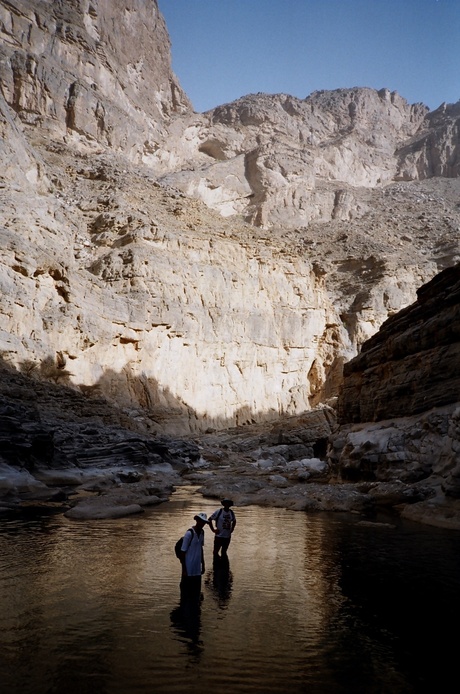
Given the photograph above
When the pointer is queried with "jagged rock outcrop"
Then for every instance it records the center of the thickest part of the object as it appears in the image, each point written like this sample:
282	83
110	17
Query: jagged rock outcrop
435	150
284	161
280	160
96	72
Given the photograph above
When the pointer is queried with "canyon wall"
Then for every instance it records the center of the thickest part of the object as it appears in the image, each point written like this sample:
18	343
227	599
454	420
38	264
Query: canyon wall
96	72
399	405
203	328
413	363
202	270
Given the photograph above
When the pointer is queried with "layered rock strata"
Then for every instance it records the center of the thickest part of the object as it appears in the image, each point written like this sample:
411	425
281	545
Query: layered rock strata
58	447
399	406
413	363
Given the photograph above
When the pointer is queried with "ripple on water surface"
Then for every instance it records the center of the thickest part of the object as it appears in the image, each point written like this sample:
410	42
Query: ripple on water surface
306	603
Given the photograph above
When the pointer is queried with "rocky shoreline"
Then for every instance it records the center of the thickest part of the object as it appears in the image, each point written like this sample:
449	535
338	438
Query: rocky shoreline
283	464
115	493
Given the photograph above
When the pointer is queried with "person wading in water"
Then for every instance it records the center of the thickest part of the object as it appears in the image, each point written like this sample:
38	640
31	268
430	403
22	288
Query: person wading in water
225	521
192	557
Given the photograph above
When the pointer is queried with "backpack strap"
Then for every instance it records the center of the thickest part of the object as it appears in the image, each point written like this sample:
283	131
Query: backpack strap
220	511
190	530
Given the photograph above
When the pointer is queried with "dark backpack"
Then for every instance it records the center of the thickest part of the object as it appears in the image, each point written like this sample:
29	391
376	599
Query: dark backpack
178	545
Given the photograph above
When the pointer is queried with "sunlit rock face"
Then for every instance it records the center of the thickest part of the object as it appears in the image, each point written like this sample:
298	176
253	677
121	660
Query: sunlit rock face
284	161
275	156
95	71
204	327
202	270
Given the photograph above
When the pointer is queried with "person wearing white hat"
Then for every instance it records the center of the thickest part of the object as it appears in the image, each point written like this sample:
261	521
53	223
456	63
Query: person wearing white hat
192	556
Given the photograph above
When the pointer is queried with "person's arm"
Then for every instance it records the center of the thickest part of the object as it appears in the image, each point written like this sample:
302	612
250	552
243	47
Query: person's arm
202	560
183	552
210	520
233	523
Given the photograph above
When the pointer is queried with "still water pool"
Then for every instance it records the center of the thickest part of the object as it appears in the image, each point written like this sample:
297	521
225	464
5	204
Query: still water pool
308	603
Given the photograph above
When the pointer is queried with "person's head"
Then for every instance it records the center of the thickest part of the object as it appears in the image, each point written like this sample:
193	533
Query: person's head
226	503
201	519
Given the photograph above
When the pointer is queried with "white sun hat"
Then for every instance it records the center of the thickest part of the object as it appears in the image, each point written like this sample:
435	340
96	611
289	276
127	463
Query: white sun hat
201	516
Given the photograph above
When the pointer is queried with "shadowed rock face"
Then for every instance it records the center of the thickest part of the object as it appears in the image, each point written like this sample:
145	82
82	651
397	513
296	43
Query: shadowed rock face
413	363
399	406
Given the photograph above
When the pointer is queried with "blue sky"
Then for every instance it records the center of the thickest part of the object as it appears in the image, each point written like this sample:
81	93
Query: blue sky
224	49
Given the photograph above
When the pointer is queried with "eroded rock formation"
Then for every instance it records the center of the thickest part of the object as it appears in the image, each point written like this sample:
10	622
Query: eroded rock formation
284	161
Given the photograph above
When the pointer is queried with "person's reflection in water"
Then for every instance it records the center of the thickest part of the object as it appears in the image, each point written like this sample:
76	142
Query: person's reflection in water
220	580
186	620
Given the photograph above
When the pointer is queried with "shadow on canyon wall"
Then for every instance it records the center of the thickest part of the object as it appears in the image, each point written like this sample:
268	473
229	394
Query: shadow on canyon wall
50	424
43	391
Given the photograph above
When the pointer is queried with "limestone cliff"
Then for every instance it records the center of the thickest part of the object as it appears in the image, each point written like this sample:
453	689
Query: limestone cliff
97	72
201	270
148	301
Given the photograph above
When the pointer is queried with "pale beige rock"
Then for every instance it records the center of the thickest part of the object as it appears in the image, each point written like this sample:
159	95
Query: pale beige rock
298	153
98	72
185	319
99	510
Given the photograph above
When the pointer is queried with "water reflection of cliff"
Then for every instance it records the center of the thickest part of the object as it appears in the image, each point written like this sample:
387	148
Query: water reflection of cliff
331	604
